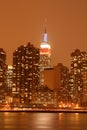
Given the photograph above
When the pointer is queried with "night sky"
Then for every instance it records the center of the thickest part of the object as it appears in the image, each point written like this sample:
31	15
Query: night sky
23	21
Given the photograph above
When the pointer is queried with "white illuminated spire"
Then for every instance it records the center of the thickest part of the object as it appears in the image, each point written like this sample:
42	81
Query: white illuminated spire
45	36
45	47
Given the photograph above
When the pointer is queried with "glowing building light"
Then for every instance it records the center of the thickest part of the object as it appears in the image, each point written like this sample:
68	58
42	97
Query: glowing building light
45	48
45	37
45	56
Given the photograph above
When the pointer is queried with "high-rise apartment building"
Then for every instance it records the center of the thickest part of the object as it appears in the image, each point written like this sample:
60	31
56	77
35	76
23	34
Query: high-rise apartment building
3	68
25	73
78	76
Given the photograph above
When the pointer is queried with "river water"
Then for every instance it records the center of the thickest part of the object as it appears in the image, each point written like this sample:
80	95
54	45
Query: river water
43	121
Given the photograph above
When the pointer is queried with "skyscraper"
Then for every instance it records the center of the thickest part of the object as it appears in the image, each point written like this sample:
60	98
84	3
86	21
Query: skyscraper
45	52
25	73
45	56
61	82
9	79
78	76
3	69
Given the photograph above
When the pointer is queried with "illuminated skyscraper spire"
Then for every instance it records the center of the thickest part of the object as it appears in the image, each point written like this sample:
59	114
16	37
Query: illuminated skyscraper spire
45	51
45	56
45	39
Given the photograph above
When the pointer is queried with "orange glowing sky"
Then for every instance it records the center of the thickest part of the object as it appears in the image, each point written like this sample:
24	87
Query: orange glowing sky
23	21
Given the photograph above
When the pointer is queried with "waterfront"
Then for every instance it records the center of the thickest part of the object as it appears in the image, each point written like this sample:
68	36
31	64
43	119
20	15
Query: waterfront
43	121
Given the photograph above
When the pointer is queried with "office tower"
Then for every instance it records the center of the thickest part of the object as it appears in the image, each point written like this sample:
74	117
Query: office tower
45	57
9	80
9	83
61	75
46	96
78	80
49	78
3	68
25	73
57	79
45	52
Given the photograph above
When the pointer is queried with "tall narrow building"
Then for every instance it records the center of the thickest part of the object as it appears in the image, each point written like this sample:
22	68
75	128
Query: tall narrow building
78	81
45	57
9	79
3	69
45	52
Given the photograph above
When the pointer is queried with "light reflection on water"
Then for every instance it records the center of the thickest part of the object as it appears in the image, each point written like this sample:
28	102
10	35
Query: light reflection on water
41	121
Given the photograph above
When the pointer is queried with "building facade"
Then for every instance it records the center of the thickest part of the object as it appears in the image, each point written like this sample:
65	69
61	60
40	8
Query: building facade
25	73
3	70
62	83
78	76
57	79
45	57
45	52
9	79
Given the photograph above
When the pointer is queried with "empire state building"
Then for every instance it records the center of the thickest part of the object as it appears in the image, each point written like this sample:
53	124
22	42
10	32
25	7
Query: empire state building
45	52
45	57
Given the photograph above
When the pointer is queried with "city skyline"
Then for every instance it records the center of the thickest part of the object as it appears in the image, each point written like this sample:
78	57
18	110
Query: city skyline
31	74
24	21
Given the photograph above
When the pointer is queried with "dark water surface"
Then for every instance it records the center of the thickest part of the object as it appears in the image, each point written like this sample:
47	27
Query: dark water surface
43	121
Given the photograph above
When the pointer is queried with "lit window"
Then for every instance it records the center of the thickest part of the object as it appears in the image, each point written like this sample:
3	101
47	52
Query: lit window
75	64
